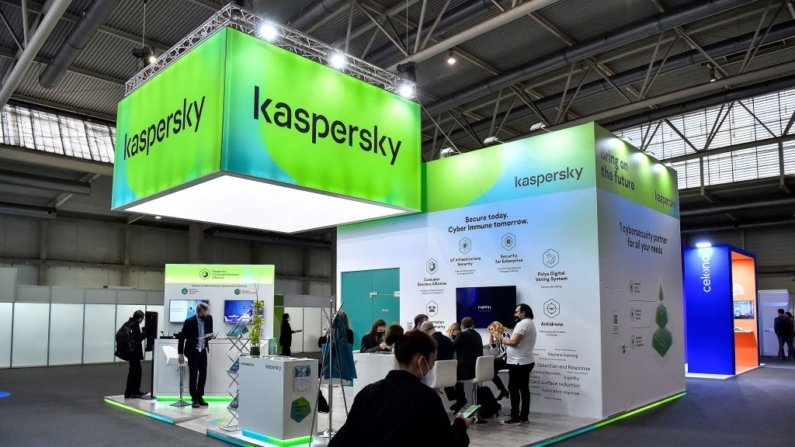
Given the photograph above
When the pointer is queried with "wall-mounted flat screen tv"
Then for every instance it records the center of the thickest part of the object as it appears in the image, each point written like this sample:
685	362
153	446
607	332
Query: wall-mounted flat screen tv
486	304
236	309
743	310
181	310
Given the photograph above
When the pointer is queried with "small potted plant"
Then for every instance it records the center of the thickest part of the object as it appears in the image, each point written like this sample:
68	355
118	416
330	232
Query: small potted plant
256	328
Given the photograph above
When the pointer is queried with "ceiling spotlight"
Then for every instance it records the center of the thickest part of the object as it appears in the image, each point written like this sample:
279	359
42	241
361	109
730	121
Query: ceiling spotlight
712	77
151	58
158	217
703	245
448	152
539	126
406	90
268	32
338	60
451	57
491	140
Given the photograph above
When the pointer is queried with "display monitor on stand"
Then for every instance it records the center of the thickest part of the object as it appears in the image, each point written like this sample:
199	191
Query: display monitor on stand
181	310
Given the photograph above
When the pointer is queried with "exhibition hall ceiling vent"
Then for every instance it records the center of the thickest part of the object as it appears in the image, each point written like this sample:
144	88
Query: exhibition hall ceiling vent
242	132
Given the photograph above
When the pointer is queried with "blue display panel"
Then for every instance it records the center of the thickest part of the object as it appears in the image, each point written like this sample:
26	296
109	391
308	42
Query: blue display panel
709	310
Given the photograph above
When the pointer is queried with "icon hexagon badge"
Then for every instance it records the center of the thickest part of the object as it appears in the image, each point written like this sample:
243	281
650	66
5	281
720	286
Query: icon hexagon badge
550	258
431	308
551	308
237	291
508	241
300	409
465	245
184	291
204	274
431	266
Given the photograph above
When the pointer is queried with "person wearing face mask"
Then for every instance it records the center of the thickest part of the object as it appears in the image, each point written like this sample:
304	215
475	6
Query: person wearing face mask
133	390
286	336
400	410
519	350
197	331
373	341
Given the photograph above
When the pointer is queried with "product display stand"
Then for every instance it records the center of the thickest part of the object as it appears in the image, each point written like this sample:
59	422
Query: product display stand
238	336
335	362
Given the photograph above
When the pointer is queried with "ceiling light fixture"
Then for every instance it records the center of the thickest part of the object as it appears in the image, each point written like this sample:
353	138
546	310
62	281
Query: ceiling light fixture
491	140
338	61
268	32
539	126
158	217
448	152
451	57
712	77
407	90
703	245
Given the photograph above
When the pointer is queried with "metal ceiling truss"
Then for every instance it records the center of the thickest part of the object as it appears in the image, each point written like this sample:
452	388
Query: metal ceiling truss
289	39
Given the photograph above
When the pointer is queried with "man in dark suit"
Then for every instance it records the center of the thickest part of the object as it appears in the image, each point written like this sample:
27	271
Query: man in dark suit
197	331
468	347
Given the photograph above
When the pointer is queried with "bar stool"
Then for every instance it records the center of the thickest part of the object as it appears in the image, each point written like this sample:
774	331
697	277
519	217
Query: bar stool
444	374
484	371
172	359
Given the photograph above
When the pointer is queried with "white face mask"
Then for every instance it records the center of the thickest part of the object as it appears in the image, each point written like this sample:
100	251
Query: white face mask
288	319
428	378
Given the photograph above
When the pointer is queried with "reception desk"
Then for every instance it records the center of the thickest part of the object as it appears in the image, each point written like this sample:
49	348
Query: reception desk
167	377
277	398
371	367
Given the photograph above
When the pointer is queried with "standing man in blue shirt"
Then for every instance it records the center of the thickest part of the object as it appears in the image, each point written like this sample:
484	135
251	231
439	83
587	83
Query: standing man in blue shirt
193	343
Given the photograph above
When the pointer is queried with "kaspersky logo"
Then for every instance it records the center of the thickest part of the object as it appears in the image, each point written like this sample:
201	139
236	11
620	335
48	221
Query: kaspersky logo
319	127
180	120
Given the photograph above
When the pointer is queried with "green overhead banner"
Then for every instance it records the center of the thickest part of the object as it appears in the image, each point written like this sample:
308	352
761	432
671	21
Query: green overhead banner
550	163
236	105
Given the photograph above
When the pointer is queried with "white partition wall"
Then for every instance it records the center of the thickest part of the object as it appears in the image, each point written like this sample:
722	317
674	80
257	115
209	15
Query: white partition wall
98	342
8	277
48	326
66	334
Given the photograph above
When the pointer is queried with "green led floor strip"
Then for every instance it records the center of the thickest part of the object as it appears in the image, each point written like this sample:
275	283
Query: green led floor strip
277	442
606	422
225	399
139	411
232	441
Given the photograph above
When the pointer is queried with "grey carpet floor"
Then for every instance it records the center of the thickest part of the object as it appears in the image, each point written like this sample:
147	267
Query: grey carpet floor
63	406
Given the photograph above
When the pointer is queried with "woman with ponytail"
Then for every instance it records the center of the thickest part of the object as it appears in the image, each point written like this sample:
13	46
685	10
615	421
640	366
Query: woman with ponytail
400	409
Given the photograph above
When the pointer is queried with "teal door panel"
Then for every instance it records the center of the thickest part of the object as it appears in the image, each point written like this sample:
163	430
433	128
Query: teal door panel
369	295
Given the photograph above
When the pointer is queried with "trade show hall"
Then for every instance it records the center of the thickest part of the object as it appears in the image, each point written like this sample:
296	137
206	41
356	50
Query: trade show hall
385	223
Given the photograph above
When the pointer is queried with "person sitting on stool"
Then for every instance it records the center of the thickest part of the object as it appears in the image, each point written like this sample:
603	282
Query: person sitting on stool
193	343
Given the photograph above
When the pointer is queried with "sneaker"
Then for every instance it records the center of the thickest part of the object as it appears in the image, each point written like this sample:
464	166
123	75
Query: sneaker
525	421
511	421
203	403
195	404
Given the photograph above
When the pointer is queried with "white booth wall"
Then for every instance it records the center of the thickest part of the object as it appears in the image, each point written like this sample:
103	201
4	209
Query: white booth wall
51	326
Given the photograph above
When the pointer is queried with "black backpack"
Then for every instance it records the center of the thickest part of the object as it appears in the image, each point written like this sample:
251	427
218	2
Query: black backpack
489	407
125	343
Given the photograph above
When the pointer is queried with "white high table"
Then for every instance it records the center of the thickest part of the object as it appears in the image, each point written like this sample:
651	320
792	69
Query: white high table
371	367
277	397
167	377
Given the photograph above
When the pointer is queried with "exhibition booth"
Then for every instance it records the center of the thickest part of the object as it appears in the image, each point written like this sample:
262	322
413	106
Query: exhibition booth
577	223
721	308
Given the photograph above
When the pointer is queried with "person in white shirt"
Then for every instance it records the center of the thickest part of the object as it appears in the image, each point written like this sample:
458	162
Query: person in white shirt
519	350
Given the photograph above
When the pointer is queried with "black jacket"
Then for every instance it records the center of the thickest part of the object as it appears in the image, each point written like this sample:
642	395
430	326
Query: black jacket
371	343
468	347
444	346
286	337
399	411
138	336
189	337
